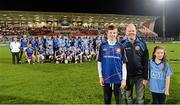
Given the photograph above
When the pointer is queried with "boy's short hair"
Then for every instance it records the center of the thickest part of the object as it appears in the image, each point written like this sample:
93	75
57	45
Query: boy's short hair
111	27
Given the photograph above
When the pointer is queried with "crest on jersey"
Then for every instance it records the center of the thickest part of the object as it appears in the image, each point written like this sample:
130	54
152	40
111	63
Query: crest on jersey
118	50
137	48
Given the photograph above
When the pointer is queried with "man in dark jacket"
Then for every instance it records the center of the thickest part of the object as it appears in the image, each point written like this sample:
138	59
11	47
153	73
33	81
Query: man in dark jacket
137	65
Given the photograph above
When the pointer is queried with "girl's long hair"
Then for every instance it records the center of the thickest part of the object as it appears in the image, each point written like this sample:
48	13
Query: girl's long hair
164	59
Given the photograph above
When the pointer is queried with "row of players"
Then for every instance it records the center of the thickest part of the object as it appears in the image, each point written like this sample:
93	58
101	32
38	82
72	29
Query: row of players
62	55
59	49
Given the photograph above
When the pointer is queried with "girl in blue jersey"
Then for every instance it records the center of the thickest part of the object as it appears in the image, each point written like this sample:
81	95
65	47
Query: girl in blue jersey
160	72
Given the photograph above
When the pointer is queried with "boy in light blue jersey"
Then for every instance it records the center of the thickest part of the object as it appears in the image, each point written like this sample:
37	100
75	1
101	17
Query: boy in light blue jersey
49	42
55	43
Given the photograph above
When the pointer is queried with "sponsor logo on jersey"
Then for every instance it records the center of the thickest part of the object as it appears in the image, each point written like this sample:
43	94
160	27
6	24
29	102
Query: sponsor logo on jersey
118	50
137	48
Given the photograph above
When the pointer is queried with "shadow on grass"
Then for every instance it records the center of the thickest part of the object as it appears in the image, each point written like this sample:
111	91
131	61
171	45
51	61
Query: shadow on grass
169	101
19	100
172	101
146	101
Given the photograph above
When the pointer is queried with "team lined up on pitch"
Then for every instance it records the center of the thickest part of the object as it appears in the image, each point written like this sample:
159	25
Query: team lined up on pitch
55	49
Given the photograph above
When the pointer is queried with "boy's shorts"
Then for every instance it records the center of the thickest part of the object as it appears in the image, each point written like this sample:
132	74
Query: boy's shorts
30	57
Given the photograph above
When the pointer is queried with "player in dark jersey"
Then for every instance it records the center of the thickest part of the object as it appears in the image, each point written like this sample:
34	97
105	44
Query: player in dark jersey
41	53
112	67
30	54
23	41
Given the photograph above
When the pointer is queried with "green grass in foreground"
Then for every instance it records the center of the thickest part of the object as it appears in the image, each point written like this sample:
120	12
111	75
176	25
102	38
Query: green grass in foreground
66	83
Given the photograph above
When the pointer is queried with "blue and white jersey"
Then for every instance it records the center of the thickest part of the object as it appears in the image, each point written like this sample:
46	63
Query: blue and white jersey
33	44
73	49
29	52
78	52
49	51
76	43
68	53
86	41
62	42
58	53
82	47
64	49
41	50
98	41
24	42
90	40
91	49
158	76
39	42
49	42
104	40
66	43
55	43
111	58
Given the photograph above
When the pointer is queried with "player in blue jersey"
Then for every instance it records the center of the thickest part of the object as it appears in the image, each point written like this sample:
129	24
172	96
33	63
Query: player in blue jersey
98	43
23	42
87	54
30	54
112	67
49	42
39	42
44	41
33	43
76	42
58	57
55	43
78	55
50	53
41	53
92	52
68	57
160	72
66	42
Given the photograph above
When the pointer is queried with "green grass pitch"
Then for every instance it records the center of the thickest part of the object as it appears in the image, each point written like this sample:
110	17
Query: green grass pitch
66	83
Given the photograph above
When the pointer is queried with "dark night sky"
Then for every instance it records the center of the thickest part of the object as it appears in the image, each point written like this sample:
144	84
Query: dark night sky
125	7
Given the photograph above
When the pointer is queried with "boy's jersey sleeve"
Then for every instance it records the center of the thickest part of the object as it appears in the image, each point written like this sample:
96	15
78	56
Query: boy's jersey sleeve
100	53
124	57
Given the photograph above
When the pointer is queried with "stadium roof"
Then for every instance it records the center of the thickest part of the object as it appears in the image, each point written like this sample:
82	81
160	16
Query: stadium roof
123	7
16	17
